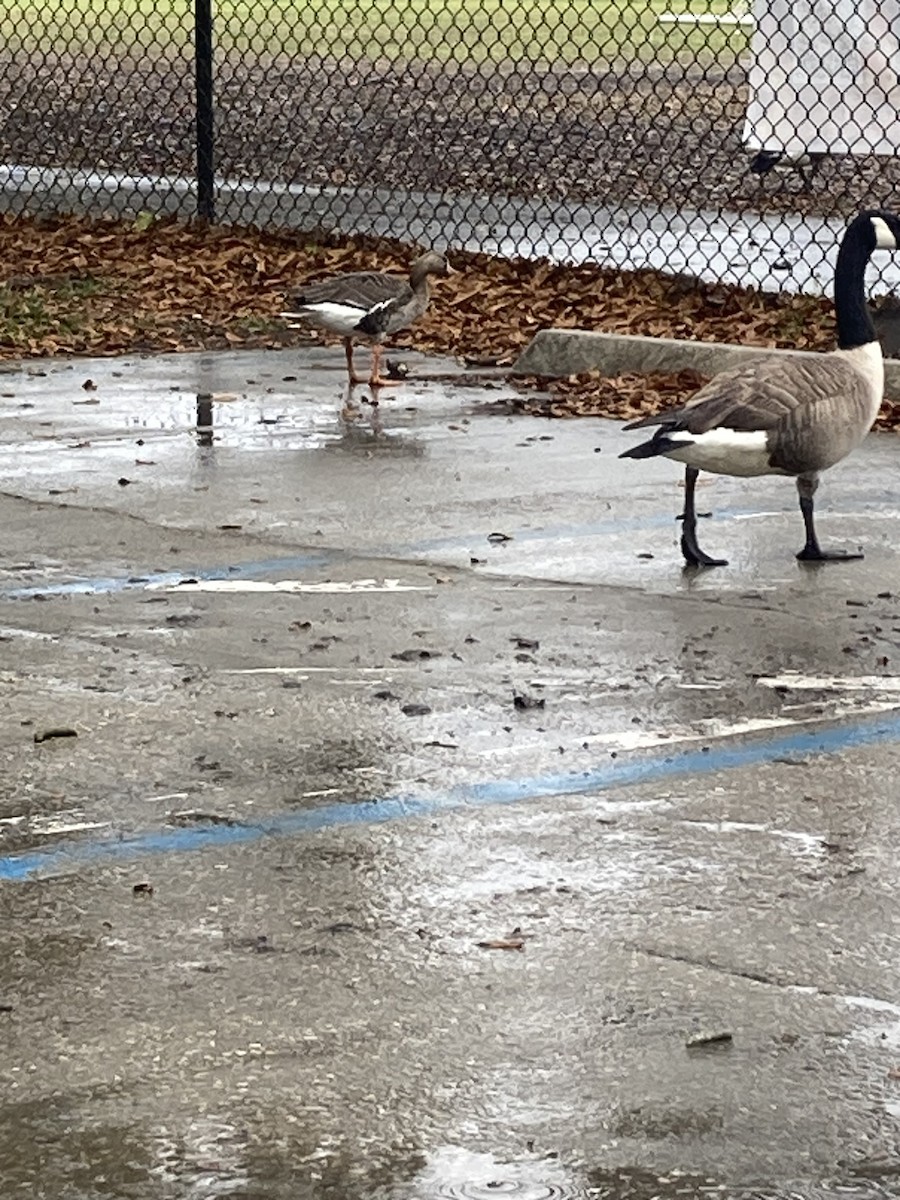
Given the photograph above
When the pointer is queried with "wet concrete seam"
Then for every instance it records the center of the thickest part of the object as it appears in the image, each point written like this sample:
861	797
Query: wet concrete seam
871	1002
624	772
708	965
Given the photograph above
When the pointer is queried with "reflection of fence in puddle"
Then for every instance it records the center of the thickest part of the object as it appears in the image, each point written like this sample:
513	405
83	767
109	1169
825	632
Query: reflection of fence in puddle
253	421
353	429
204	420
254	417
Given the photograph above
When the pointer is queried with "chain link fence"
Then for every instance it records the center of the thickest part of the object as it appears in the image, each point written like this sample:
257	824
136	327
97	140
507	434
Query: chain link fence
624	132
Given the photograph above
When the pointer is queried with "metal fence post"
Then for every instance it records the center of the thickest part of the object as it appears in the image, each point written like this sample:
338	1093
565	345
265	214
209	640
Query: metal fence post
203	83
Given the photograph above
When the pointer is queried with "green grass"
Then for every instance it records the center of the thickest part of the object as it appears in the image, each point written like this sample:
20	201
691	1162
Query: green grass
547	31
33	311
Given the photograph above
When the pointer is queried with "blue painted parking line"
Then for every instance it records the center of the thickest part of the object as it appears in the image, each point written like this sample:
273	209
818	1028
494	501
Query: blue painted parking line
623	772
112	583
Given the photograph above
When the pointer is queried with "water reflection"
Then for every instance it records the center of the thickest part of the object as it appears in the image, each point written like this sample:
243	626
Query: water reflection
357	427
75	1147
637	1183
82	1146
454	1173
204	419
46	1151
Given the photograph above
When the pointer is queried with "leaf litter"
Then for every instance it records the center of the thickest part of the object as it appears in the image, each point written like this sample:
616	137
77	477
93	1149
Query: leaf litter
86	286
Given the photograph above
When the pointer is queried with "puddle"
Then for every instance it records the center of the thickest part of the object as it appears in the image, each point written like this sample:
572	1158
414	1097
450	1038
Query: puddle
329	587
453	1173
208	1158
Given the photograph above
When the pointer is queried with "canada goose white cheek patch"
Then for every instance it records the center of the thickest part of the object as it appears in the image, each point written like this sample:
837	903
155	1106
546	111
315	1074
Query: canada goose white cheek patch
884	239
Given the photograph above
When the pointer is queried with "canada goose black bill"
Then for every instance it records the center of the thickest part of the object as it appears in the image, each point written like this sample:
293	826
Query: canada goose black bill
367	306
786	415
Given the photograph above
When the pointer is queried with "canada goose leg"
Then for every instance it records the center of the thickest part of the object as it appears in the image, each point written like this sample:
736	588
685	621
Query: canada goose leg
693	555
812	551
352	378
375	379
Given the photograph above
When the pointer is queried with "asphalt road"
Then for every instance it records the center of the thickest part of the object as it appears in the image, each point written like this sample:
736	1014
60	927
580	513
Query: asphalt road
299	900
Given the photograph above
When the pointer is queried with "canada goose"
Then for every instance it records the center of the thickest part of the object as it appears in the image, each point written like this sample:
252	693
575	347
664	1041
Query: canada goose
367	305
766	161
786	416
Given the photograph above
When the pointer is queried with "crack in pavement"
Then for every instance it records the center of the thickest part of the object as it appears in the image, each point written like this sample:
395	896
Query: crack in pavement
874	1003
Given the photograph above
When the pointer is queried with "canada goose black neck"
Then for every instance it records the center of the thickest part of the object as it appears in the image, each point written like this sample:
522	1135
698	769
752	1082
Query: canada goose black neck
854	322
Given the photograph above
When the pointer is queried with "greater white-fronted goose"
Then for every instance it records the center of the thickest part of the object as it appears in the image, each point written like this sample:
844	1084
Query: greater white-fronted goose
785	415
367	306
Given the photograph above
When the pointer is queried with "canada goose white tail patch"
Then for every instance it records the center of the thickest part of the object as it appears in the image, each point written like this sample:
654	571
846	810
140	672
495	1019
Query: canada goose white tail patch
340	318
884	239
724	451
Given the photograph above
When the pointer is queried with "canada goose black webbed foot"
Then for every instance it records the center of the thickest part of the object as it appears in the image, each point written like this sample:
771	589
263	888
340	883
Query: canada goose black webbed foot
812	551
817	554
695	557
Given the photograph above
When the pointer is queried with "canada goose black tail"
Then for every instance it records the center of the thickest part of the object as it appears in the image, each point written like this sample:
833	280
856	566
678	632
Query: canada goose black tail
660	418
660	443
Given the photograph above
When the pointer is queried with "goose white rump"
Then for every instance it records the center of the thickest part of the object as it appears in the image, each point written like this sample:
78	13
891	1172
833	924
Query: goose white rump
725	452
336	318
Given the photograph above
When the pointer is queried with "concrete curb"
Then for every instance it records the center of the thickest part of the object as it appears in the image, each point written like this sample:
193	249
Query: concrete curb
557	352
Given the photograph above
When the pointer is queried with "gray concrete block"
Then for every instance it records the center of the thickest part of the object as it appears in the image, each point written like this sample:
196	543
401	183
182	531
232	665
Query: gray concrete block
558	352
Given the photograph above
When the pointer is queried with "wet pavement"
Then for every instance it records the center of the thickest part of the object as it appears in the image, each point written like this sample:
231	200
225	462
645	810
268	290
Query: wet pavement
386	814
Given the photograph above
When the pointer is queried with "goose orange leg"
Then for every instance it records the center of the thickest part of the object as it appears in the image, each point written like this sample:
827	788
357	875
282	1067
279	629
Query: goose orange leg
352	377
375	379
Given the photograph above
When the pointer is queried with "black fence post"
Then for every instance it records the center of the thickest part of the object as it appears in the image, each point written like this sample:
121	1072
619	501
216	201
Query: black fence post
203	83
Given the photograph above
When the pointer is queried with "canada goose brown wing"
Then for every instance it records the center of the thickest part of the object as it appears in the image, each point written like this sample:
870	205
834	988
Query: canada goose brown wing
760	396
831	414
780	395
361	289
